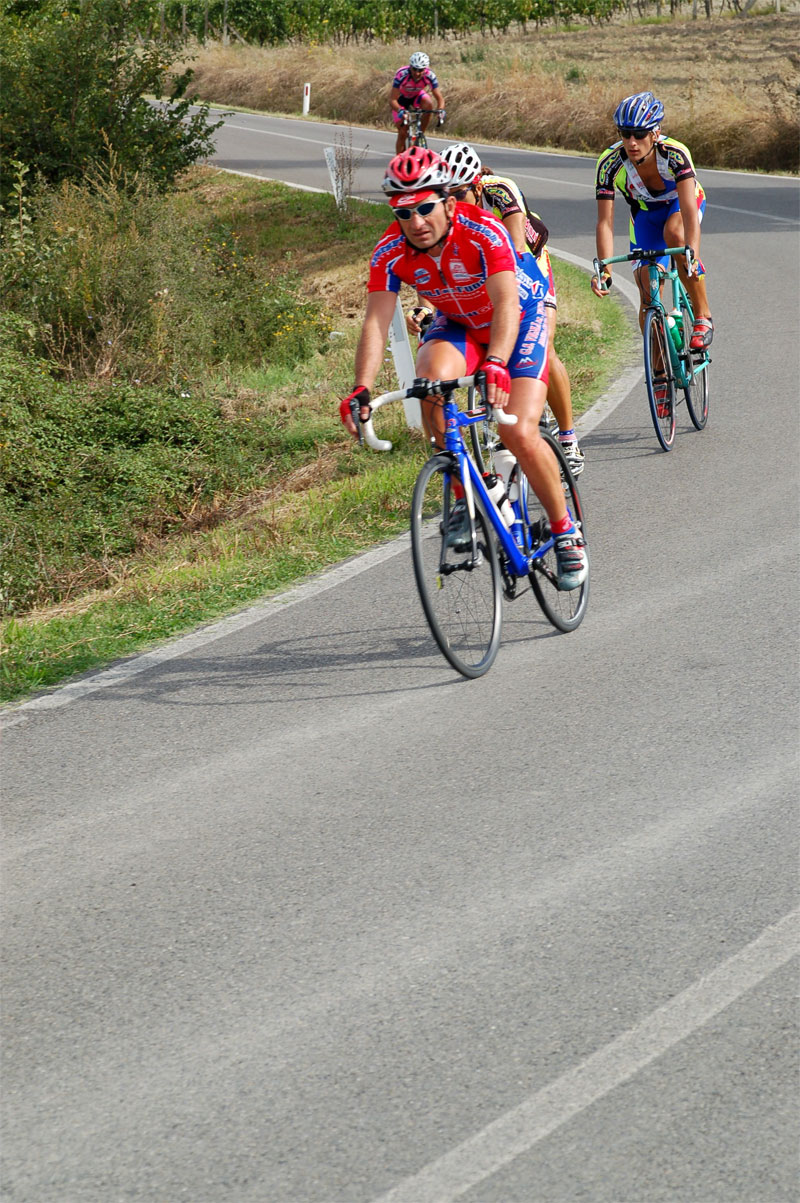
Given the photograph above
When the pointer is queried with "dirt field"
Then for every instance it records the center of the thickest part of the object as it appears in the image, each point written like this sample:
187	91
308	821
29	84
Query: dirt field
730	85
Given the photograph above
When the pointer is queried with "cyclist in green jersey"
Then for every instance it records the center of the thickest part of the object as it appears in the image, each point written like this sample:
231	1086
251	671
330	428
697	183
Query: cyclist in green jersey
655	176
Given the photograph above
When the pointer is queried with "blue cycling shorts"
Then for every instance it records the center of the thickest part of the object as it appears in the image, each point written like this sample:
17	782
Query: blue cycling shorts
529	357
647	228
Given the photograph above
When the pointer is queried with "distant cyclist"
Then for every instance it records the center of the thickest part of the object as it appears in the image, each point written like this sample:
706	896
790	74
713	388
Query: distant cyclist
655	176
415	87
478	185
490	317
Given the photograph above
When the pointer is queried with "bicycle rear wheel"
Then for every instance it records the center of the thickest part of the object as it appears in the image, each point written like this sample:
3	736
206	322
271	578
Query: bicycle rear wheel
563	608
461	595
659	378
415	134
696	392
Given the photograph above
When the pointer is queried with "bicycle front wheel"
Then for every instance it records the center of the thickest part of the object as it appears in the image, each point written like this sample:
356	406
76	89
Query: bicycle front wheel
564	608
659	377
696	391
461	593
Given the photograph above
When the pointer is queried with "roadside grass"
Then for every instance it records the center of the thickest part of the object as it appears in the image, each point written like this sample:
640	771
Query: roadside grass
318	499
733	98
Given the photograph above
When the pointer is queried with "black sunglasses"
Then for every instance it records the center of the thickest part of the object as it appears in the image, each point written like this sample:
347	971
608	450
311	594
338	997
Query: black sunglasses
627	132
424	210
461	194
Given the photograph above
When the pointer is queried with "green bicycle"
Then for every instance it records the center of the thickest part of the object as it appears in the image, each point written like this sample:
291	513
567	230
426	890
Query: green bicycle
669	362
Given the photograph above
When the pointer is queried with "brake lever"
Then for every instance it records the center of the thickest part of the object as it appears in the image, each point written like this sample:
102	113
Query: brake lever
355	415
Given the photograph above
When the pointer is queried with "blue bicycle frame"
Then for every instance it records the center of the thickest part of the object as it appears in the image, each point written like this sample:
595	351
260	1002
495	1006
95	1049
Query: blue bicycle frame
519	557
462	580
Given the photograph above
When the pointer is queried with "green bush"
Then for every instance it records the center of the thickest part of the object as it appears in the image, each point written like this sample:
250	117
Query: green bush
88	471
75	79
121	282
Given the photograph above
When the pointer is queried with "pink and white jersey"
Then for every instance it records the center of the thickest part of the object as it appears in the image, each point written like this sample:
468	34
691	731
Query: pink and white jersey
476	247
411	88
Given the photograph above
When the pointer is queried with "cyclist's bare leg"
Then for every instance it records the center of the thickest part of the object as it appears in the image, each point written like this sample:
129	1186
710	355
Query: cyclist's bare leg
426	103
694	285
559	392
642	278
525	442
437	360
400	144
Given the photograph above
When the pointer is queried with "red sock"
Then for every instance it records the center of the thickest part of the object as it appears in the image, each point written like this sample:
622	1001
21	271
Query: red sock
562	526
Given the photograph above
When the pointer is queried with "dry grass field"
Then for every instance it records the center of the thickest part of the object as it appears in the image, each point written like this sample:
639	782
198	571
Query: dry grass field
730	85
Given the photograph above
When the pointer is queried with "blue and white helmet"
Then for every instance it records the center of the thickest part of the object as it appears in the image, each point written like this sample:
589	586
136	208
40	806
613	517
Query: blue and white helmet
640	111
419	60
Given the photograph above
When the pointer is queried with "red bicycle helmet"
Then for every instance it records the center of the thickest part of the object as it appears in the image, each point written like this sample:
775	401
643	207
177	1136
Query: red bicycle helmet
415	170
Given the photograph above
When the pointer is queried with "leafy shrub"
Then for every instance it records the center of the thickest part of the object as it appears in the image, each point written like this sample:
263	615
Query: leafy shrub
75	78
119	281
88	471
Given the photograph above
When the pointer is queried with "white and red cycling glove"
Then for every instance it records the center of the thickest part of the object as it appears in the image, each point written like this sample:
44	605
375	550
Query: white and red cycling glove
495	371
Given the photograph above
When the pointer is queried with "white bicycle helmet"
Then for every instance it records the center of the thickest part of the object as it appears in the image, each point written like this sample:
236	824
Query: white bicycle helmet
416	170
463	163
419	60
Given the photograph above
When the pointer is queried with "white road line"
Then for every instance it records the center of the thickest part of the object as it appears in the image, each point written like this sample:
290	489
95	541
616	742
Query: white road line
788	221
542	1113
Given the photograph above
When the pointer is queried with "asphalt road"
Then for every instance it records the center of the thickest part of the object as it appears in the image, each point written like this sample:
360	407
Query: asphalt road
293	914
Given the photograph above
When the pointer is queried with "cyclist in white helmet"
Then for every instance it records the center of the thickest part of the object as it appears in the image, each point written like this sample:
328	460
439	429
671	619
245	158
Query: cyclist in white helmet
478	185
490	307
415	87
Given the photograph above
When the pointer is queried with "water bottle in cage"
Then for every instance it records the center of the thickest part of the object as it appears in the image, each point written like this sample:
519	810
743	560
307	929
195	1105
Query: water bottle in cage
675	326
496	490
504	465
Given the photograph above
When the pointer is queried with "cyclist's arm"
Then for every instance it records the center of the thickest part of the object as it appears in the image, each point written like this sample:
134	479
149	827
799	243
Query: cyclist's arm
437	96
604	234
691	219
515	224
374	333
504	295
394	99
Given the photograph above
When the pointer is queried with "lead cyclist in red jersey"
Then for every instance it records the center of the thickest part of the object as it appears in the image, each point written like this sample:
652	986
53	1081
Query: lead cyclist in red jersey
415	87
490	317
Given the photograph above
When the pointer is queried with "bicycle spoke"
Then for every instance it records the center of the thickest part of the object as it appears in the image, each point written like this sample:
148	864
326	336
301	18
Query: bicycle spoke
696	391
659	377
563	608
460	591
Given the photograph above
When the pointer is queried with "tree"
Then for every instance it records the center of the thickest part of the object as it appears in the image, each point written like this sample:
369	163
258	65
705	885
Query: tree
80	82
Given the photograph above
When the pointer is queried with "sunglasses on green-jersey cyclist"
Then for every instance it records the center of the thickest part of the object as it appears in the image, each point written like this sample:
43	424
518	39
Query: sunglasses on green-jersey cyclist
629	132
424	210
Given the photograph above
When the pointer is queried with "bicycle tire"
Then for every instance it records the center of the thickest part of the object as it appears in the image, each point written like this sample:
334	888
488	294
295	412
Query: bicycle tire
696	392
564	608
655	349
462	599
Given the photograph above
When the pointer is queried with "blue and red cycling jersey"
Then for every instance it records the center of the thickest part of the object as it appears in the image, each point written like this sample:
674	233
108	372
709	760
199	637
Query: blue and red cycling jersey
410	88
476	247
